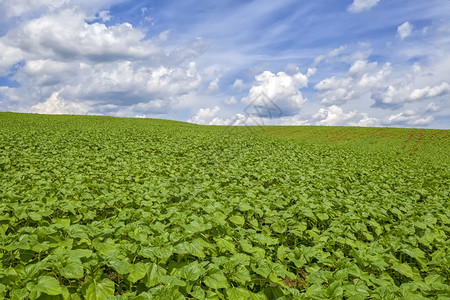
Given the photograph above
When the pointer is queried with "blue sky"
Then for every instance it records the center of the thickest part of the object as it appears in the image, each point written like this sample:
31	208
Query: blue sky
323	62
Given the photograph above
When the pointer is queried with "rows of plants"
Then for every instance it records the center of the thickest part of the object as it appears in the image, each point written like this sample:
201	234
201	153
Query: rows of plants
97	208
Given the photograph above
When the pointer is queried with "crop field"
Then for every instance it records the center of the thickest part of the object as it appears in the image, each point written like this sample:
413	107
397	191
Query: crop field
98	207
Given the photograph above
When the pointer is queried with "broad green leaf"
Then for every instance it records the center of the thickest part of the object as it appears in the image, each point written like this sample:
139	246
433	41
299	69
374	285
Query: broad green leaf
216	281
154	274
237	293
273	292
19	293
163	253
242	275
262	268
73	269
196	226
139	271
100	290
48	285
10	271
404	269
172	281
225	245
121	266
79	253
192	272
198	293
238	220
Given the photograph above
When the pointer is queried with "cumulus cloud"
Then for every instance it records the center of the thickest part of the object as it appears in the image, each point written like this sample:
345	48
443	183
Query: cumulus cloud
278	90
55	104
214	85
395	96
333	53
238	84
9	57
386	87
231	101
333	116
59	49
404	30
66	35
361	78
204	115
428	92
208	116
362	5
409	118
104	15
237	120
16	8
366	121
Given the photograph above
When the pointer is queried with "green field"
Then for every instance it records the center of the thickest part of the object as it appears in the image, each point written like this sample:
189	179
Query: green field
96	207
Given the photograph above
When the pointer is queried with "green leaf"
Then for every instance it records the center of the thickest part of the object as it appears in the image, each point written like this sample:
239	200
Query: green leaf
237	293
196	226
238	220
154	274
10	271
262	268
19	293
100	290
192	272
195	248
48	285
139	271
242	275
225	245
121	266
172	281
198	293
273	292
216	281
73	269
79	253
404	269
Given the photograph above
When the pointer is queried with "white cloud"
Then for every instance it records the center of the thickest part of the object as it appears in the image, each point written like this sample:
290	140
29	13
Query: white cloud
55	104
366	121
238	84
404	30
16	8
204	115
208	116
237	120
361	66
404	92
361	78
104	15
410	118
333	116
291	120
281	89
333	53
94	63
387	87
214	85
231	101
432	107
428	92
9	56
65	35
362	5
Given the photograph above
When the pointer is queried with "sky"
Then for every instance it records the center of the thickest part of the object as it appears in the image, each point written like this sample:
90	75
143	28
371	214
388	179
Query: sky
230	62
